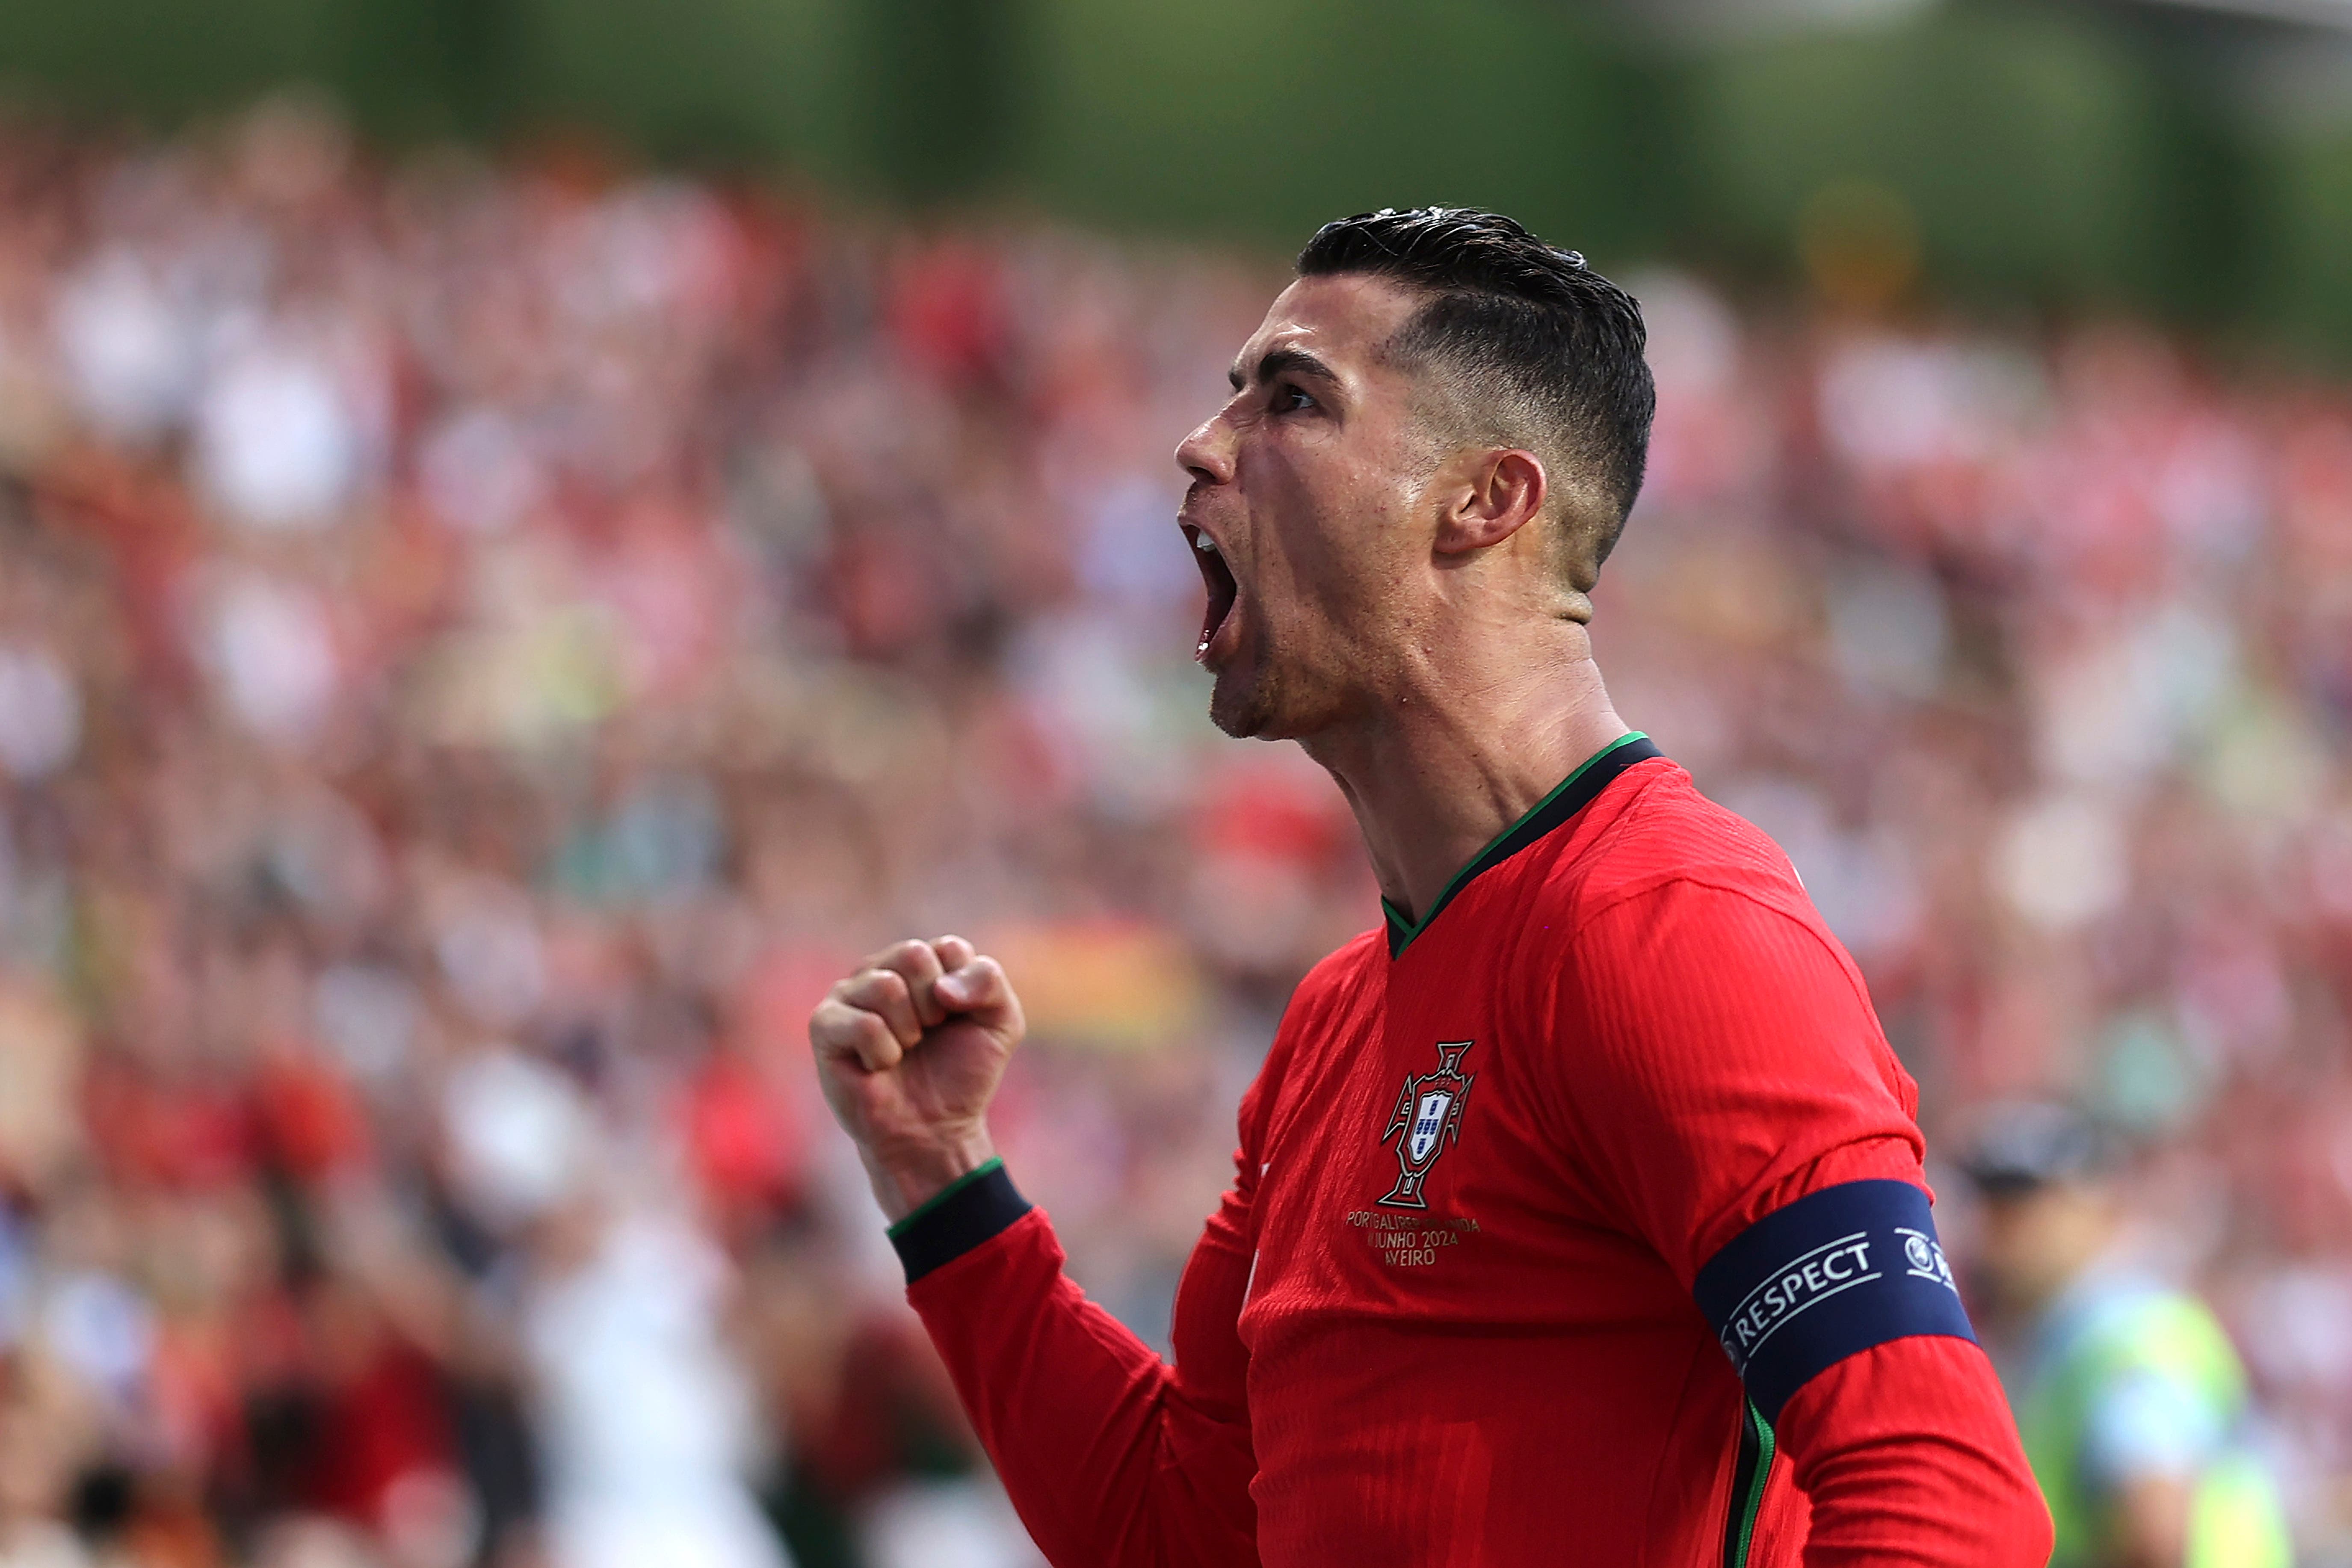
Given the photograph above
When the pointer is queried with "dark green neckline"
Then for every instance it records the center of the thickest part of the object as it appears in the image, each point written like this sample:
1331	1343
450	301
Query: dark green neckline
1572	794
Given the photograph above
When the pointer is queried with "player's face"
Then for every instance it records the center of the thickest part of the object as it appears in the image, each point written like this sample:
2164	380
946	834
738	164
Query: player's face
1306	489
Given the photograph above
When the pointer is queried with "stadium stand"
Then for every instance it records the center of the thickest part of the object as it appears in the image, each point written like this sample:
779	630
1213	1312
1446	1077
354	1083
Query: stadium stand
482	643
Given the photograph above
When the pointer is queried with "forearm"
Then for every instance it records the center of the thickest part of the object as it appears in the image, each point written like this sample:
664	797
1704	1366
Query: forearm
1112	1460
1908	1455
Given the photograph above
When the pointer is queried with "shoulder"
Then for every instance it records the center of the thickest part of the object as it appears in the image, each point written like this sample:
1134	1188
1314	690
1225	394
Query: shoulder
1344	965
1665	837
1339	975
1672	888
1324	990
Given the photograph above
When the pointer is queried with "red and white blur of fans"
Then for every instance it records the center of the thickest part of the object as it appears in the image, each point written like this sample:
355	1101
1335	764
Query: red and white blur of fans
482	642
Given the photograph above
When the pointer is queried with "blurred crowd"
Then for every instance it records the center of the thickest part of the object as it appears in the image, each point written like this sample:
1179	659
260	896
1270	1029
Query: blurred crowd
483	644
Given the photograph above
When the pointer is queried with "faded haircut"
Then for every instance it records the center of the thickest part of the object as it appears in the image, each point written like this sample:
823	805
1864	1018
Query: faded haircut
1537	349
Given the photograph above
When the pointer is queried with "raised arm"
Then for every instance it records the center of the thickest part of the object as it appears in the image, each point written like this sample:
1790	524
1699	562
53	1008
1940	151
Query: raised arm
1112	1457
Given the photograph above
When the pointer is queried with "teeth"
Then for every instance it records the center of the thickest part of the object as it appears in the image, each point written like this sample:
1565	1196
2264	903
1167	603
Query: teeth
1204	544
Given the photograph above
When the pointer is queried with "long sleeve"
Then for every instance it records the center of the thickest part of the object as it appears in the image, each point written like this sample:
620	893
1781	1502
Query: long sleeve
1113	1459
1907	1455
1750	1121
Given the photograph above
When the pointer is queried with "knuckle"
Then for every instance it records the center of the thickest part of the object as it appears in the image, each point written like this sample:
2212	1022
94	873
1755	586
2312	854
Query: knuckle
833	1027
872	985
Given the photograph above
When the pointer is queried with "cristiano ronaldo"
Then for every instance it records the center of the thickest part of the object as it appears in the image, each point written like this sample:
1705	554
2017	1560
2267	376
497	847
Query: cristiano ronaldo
1578	1215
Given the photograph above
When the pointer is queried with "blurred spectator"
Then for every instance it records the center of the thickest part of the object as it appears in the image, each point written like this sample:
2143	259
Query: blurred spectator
646	1424
2131	1400
483	643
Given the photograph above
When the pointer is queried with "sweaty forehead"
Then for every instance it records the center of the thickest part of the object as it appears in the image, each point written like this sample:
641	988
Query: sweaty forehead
1342	319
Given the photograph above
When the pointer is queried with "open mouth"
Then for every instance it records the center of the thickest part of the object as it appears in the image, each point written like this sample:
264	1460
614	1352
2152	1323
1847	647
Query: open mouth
1222	589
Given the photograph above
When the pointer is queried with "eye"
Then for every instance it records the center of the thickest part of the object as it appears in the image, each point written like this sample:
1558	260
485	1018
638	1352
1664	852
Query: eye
1289	399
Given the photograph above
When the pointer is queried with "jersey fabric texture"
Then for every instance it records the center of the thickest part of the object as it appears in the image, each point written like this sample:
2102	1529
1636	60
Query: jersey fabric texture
1456	1309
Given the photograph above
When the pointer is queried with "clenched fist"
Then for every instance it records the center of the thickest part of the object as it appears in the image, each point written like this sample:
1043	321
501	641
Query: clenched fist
910	1050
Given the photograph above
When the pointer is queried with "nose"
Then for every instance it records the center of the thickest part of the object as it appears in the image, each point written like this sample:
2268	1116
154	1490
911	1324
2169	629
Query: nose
1206	455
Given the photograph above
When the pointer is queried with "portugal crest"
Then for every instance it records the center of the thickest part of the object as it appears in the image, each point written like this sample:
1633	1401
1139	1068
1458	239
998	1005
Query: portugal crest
1429	1116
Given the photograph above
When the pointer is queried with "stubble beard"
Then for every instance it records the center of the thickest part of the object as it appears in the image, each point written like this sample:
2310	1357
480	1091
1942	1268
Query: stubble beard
1245	704
1276	700
1311	679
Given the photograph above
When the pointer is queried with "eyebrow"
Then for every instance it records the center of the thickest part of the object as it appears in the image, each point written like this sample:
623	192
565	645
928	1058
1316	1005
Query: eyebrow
1295	361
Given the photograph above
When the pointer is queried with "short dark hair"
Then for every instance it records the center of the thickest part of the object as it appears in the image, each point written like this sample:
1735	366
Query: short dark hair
1547	349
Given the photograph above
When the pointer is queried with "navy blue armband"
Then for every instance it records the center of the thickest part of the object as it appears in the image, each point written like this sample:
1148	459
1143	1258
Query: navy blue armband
973	1209
1835	1272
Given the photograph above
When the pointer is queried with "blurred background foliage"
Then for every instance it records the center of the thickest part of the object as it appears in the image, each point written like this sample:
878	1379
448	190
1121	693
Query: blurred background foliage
2053	156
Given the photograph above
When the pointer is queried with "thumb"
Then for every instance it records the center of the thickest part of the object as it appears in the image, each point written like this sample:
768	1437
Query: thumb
978	990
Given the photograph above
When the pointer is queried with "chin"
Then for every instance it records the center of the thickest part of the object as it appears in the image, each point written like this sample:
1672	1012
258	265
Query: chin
1246	704
1272	703
1240	714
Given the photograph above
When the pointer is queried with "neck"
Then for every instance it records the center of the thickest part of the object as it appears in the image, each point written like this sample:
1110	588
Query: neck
1453	753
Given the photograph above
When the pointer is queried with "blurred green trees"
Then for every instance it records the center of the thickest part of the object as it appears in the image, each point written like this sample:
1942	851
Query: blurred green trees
2045	154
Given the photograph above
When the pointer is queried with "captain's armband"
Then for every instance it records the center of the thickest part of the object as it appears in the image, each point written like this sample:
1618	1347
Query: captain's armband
1835	1272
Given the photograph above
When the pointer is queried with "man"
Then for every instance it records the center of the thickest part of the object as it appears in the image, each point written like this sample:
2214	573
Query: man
2132	1400
1600	1127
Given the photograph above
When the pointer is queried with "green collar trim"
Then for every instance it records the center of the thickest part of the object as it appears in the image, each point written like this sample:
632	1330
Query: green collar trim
1572	794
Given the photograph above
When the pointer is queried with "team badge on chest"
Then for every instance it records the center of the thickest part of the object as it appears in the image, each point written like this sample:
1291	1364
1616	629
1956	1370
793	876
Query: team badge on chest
1426	1121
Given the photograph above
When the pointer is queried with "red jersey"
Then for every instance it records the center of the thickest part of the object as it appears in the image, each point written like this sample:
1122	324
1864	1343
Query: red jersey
1525	1191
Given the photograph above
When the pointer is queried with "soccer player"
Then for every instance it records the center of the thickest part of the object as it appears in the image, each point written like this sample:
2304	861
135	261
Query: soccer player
1578	1215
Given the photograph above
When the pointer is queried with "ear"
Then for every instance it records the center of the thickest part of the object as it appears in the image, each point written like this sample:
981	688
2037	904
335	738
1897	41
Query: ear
1502	494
